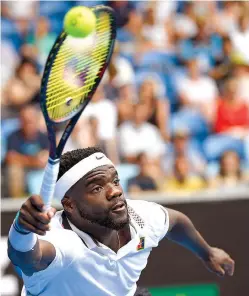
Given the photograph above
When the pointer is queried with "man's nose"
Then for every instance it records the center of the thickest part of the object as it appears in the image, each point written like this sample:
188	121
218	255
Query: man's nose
113	191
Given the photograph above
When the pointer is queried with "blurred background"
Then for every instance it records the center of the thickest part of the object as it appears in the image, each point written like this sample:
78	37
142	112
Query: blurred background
172	112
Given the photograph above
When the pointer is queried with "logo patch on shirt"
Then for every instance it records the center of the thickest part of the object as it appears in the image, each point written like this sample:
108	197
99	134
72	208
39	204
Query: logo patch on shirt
140	246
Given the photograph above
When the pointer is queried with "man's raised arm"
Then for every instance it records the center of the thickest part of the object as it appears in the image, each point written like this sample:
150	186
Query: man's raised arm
25	250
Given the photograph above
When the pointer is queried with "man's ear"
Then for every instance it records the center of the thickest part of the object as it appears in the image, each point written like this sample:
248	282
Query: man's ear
67	204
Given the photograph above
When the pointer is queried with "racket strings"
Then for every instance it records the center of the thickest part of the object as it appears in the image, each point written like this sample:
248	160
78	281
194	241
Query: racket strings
73	76
98	57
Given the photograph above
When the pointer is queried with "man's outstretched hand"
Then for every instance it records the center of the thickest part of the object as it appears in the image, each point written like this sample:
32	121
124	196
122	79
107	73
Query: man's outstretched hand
220	262
32	216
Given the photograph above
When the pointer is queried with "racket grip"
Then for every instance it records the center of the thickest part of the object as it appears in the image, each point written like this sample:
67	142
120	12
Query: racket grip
49	181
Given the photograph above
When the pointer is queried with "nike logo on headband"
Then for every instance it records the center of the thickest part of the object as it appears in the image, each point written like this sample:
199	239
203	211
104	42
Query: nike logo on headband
99	157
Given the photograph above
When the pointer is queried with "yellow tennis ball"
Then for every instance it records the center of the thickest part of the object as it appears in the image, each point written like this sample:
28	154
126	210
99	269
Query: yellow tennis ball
79	21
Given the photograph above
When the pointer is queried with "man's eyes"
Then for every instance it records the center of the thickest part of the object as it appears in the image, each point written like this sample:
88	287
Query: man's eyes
116	182
96	189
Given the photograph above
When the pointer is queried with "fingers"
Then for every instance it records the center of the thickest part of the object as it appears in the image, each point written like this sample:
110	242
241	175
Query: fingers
43	217
30	227
51	212
33	218
37	202
229	267
220	271
27	217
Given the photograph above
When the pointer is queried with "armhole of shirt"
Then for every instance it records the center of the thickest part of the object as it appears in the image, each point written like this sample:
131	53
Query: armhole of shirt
166	221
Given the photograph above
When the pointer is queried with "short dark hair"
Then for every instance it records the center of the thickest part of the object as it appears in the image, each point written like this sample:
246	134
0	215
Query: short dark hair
71	158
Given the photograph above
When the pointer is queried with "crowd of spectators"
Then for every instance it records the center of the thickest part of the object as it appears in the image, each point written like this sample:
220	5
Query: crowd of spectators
172	111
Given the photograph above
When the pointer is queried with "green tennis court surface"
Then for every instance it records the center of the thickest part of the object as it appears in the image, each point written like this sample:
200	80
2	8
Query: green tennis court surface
195	290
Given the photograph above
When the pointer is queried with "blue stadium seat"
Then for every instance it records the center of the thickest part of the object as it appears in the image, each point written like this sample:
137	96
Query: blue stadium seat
166	65
90	3
212	169
215	145
7	27
54	8
10	33
34	181
125	172
8	126
191	119
140	76
56	24
158	61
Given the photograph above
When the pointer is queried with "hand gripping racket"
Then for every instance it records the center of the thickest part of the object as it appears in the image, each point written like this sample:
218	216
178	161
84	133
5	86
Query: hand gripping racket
69	81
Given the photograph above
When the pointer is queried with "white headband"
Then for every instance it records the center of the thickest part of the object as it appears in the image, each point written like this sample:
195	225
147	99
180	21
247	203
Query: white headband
78	171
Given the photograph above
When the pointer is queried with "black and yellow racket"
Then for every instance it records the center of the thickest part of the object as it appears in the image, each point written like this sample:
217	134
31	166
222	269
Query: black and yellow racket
71	76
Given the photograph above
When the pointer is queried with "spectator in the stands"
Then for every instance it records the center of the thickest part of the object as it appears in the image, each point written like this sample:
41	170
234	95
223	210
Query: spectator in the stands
240	36
181	146
196	91
122	10
42	39
127	97
182	181
241	74
103	113
225	20
137	136
9	61
232	113
157	33
26	151
151	94
119	73
132	42
143	181
185	22
230	171
84	134
20	12
206	46
22	88
131	29
223	66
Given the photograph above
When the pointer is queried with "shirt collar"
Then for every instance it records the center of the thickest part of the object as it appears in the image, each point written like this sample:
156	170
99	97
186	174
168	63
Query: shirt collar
84	236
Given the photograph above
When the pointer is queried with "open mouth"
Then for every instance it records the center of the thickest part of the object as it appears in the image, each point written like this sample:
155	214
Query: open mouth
119	207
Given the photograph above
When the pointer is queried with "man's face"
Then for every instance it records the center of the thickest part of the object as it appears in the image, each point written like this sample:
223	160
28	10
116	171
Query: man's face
29	122
98	198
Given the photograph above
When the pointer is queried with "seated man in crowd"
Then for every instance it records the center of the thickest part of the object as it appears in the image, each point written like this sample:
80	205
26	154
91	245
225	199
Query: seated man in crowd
143	182
138	136
182	181
197	91
101	115
27	150
182	147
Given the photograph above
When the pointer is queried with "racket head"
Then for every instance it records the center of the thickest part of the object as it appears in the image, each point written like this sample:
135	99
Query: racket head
74	69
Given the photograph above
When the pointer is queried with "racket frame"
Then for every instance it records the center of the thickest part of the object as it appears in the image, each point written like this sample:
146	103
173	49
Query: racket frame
52	168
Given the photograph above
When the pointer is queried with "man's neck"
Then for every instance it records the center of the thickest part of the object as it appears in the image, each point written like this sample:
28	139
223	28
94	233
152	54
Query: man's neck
109	237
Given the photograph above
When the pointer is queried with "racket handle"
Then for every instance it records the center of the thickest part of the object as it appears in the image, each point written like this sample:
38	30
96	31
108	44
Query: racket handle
49	181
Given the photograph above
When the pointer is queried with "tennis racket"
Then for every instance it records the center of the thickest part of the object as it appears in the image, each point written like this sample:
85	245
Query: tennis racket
69	81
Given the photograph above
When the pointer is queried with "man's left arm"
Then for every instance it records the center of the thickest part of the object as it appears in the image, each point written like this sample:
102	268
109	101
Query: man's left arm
182	231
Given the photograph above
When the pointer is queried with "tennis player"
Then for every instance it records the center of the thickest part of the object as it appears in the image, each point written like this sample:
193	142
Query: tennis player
99	244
